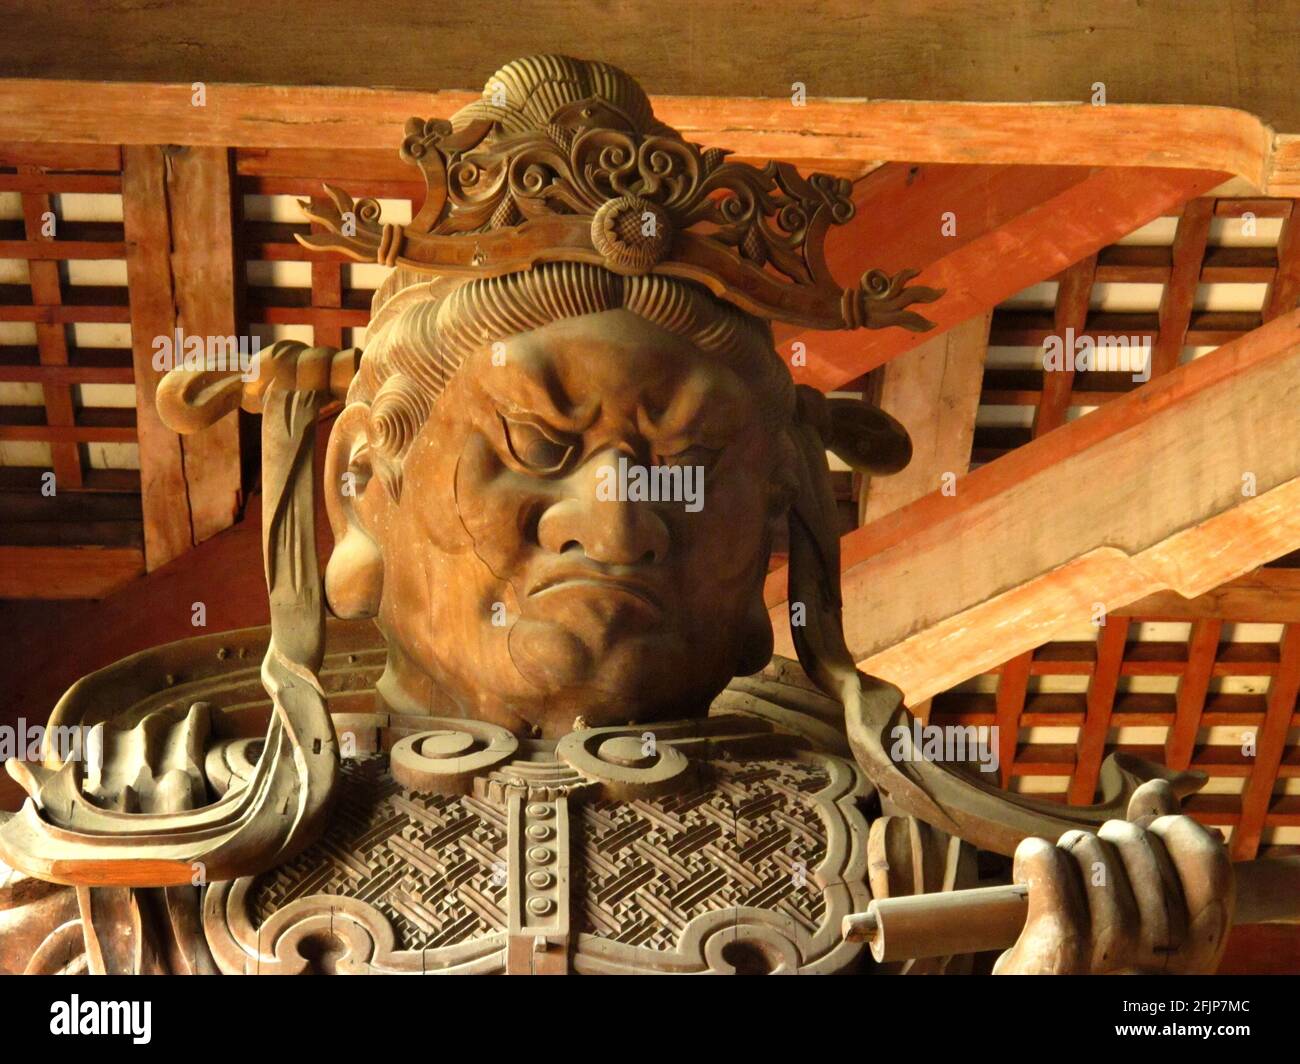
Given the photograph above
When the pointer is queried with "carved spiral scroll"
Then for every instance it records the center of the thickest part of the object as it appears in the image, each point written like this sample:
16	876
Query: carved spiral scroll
625	762
446	758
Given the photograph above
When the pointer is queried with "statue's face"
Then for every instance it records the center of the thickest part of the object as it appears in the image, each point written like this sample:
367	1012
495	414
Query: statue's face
527	582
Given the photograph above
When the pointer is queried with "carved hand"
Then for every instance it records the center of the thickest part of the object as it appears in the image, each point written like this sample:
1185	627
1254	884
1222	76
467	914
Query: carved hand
1151	894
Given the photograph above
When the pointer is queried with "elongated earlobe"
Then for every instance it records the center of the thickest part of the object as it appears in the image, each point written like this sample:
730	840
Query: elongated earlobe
354	576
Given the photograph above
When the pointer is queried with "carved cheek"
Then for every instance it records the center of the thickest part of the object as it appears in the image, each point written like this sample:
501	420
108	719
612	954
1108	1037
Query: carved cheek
494	505
428	511
727	535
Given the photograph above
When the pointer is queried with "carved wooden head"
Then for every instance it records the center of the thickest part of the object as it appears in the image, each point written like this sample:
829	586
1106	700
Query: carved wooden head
563	459
566	518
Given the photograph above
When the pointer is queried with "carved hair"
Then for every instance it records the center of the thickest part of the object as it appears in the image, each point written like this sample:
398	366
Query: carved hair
422	333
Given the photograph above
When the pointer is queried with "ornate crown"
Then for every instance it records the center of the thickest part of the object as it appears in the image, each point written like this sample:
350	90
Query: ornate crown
563	160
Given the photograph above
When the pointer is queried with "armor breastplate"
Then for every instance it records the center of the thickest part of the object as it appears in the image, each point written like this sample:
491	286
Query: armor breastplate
735	842
714	846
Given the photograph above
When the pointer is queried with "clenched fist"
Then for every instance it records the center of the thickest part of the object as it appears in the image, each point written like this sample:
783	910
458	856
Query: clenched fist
1151	894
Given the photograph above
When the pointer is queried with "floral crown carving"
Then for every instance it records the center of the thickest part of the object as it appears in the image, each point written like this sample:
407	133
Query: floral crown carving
563	161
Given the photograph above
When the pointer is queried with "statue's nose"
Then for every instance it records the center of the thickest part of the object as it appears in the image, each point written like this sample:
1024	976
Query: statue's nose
598	518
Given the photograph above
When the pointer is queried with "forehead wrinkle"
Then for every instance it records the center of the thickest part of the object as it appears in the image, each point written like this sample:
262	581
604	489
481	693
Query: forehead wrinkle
531	385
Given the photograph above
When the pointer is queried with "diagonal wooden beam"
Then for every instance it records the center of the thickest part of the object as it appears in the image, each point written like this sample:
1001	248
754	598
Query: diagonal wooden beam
981	233
1186	483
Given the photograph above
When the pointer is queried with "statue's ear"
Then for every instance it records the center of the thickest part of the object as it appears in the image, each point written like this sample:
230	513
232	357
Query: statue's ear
357	503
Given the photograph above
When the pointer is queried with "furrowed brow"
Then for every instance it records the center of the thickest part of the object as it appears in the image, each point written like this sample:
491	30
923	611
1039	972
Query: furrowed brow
696	398
538	391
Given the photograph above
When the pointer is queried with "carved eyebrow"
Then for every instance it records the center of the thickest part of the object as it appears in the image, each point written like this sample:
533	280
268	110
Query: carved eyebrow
696	397
539	393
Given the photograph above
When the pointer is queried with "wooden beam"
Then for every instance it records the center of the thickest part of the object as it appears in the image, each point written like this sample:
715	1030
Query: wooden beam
1202	649
1270	742
1190	240
1013	686
326	290
840	48
1070	316
1284	291
1266	596
1032	221
63	157
845	131
1091	746
69	435
66	572
945	588
934	392
52	341
176	207
61	250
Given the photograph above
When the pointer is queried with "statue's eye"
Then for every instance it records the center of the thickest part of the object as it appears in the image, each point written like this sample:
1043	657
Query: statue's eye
534	448
698	455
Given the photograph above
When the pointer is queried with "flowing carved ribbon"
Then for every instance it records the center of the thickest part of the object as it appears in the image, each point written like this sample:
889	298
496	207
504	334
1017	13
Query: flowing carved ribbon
60	835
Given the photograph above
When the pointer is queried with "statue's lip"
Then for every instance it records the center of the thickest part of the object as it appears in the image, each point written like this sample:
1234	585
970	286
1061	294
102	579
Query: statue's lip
595	578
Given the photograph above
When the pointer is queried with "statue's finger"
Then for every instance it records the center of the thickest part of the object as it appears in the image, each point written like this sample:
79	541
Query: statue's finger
1055	938
1205	873
1156	890
1113	916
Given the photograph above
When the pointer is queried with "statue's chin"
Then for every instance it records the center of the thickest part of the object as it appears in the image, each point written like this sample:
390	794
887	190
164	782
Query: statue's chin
605	677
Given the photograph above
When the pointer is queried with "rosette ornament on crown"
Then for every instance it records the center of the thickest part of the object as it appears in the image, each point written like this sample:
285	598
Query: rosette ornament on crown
562	160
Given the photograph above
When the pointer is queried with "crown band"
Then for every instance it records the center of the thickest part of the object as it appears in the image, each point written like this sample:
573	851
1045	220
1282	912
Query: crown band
587	183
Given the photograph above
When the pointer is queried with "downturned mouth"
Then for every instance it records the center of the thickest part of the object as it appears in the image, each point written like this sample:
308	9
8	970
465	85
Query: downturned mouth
604	581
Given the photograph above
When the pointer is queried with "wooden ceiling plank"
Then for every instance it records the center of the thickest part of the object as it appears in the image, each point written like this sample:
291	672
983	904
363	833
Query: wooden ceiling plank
942	589
1111	640
1270	743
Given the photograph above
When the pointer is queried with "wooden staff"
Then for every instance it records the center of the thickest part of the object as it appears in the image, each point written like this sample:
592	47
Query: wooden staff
949	923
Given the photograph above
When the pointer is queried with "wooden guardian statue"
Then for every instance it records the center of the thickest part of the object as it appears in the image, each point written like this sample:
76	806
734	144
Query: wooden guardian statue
542	730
